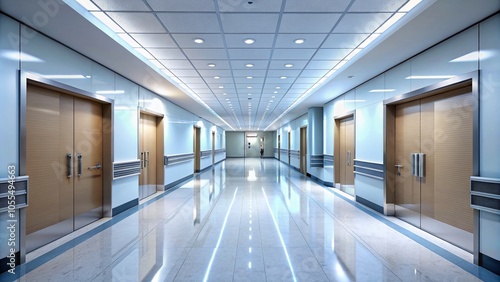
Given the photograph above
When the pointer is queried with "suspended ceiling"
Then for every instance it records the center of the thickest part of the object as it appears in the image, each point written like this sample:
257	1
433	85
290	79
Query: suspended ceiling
196	54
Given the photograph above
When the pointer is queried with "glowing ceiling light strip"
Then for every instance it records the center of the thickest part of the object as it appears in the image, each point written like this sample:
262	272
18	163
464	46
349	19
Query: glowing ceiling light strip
281	236
220	237
409	6
390	22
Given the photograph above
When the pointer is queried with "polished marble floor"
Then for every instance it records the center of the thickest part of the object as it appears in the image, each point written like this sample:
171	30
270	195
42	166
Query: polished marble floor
250	220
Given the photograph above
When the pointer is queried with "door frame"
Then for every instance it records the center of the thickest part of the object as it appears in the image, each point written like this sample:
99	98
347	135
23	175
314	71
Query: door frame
26	78
160	146
336	142
471	78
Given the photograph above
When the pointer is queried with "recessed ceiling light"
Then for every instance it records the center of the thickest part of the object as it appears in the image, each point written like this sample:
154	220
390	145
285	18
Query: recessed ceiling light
216	77
282	77
249	87
249	41
224	94
275	92
249	65
220	87
249	77
277	87
249	94
288	65
299	41
273	97
211	65
198	40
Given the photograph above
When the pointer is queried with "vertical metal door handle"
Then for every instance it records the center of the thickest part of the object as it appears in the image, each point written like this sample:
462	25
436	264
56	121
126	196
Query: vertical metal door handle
147	158
80	157
142	160
414	164
421	165
70	165
349	158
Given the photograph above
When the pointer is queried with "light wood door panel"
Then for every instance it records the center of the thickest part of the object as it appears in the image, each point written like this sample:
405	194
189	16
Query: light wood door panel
447	143
88	144
407	192
49	138
148	148
346	151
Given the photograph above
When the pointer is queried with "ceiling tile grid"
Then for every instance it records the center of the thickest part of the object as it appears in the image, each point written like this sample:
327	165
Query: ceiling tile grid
224	49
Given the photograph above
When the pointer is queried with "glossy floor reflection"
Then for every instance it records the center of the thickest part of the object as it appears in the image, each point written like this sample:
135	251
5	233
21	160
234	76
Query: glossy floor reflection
252	220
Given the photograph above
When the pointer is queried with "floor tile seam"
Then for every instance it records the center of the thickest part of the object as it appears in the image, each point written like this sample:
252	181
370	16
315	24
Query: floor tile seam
347	228
302	233
197	234
125	252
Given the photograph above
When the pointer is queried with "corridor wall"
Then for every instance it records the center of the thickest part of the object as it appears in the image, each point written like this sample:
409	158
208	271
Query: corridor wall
24	50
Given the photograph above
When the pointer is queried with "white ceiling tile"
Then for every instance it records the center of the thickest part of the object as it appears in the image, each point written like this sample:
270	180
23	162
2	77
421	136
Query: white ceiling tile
250	54
321	65
219	65
277	80
243	79
308	23
181	5
130	41
316	5
377	5
280	64
361	23
191	80
158	40
331	54
249	23
285	40
137	22
225	80
245	7
310	80
278	73
261	40
206	54
344	40
145	53
199	87
257	65
166	53
272	86
214	72
293	54
177	64
314	73
120	5
181	73
187	40
190	22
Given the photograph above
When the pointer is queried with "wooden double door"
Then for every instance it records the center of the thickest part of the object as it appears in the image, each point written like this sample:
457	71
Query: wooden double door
434	162
148	154
63	162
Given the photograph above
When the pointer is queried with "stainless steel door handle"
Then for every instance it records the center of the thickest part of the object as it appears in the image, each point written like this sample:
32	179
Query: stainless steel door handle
349	158
80	157
97	166
142	160
399	166
414	164
70	165
421	164
147	159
